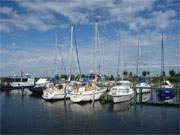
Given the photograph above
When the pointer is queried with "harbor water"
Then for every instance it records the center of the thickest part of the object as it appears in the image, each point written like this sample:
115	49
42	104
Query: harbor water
30	114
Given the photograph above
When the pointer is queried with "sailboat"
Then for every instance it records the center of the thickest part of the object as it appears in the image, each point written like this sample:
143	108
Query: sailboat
58	90
90	91
165	84
122	91
143	84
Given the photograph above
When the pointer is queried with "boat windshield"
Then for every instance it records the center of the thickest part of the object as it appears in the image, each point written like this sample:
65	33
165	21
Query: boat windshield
123	84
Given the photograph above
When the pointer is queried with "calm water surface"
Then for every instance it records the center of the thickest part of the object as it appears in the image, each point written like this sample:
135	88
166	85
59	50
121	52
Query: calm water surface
29	114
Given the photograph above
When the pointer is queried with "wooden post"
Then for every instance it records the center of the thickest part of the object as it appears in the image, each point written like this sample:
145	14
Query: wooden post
65	93
135	90
22	91
140	95
93	97
178	96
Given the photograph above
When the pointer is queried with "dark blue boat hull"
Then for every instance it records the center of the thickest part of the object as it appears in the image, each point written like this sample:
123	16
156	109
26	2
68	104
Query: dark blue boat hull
37	90
166	94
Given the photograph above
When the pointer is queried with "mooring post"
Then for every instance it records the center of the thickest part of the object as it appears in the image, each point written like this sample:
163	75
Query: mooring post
135	94
178	95
140	95
65	93
93	98
22	91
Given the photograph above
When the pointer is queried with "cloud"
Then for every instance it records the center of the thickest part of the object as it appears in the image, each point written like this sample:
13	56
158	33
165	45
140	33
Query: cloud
39	61
163	19
41	15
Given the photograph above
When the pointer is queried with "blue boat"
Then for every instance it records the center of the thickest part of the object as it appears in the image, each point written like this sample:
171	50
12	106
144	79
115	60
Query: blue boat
166	97
166	89
166	92
40	85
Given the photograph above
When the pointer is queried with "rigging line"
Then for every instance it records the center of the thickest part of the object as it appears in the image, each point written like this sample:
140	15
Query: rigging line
77	54
62	60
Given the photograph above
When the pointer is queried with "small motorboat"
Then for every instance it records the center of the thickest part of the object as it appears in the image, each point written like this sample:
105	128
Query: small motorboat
122	92
21	82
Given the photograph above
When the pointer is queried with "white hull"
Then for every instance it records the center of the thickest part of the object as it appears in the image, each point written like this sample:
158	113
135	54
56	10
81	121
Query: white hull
50	95
87	95
120	98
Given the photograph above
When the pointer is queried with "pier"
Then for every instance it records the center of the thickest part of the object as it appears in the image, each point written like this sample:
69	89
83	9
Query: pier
156	102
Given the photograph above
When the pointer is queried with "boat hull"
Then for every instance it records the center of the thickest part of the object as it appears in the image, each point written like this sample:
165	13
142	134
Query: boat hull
166	93
37	90
55	95
86	96
120	98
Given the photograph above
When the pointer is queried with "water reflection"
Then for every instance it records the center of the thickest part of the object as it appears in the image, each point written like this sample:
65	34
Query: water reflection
120	107
145	97
86	108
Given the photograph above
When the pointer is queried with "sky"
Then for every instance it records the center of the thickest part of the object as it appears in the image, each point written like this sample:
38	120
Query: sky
29	29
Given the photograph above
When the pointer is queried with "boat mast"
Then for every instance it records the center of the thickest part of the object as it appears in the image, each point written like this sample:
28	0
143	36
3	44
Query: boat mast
71	50
96	47
138	59
162	59
55	55
118	63
122	61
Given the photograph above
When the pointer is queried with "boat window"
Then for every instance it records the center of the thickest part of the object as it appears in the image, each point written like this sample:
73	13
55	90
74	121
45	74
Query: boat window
17	80
123	84
24	80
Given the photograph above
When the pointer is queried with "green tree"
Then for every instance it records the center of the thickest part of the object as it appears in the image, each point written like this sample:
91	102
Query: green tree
144	73
172	72
125	73
130	74
57	77
111	78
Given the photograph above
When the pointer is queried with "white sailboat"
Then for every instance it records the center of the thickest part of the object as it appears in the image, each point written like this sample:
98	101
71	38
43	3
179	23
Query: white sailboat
57	91
122	91
88	92
141	84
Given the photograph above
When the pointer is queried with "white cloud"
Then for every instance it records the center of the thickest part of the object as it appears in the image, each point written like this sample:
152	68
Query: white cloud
39	61
6	10
76	11
163	19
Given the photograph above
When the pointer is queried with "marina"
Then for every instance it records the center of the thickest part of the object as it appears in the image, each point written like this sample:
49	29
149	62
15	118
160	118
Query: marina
89	67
